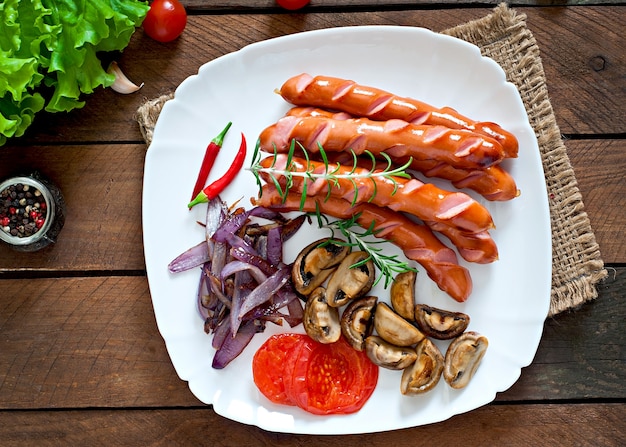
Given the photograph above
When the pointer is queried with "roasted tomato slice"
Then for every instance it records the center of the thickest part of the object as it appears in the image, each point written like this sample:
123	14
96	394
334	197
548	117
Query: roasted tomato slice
331	378
275	361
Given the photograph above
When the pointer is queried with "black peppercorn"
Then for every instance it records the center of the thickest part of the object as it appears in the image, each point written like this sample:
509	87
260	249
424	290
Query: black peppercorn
32	212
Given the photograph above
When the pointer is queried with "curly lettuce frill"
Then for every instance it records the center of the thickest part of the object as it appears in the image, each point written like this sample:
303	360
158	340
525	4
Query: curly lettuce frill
49	54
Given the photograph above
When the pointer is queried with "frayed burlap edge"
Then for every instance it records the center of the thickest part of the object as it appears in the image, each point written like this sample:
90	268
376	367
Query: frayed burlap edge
576	262
503	36
148	113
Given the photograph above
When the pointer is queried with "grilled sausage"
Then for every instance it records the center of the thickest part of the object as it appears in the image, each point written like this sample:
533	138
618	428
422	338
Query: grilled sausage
416	241
493	183
396	138
358	185
359	100
479	247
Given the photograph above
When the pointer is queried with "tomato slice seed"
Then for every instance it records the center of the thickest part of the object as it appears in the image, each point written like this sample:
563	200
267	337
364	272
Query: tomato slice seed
273	362
293	369
333	378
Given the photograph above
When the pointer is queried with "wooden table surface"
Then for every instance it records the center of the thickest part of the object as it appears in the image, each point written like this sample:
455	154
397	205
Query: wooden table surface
81	359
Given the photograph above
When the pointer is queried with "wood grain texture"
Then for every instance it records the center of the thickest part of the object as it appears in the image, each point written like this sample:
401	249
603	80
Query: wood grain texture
83	342
102	186
597	425
93	342
600	169
194	6
584	64
82	362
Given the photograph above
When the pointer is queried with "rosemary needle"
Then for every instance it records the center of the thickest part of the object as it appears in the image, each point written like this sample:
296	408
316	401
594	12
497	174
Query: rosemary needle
389	265
330	173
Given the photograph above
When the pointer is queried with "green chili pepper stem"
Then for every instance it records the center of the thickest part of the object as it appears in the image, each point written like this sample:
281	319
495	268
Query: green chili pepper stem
212	190
200	198
219	140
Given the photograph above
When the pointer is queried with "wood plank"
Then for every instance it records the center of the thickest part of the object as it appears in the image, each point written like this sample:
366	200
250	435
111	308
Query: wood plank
582	353
314	5
600	425
83	342
103	183
583	64
93	342
600	169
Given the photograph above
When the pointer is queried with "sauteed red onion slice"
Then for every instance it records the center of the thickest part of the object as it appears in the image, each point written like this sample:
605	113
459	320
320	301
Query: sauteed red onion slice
237	266
274	246
194	257
244	282
257	261
202	252
264	292
233	346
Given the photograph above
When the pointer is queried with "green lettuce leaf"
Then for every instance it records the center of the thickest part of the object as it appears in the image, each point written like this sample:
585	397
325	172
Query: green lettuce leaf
49	54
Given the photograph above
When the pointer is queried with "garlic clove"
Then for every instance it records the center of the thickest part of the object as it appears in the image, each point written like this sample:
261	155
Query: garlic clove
122	84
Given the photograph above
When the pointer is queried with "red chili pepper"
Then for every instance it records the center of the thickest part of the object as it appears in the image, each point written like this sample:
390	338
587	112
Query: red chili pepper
209	159
213	190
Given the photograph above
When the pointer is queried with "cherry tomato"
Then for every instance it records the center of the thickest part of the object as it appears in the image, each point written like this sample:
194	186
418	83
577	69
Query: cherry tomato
332	378
274	362
292	5
165	20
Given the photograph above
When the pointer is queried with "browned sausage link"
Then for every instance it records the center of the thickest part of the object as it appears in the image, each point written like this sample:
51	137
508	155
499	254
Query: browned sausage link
316	111
416	241
473	247
359	100
493	183
357	184
457	147
450	211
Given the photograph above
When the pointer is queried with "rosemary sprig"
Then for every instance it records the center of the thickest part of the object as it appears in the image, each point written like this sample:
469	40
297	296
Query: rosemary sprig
330	173
389	265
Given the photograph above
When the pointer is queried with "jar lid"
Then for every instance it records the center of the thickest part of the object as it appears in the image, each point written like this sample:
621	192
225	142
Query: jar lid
50	211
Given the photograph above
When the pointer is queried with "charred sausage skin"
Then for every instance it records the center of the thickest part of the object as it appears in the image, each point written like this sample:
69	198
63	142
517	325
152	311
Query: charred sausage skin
360	100
457	147
416	241
493	183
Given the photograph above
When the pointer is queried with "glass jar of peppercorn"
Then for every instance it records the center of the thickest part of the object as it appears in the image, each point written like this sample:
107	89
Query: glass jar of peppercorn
32	212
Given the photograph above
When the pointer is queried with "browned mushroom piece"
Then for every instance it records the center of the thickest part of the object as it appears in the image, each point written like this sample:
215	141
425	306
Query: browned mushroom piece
402	293
425	373
357	321
440	324
315	263
320	321
389	356
395	329
463	357
352	279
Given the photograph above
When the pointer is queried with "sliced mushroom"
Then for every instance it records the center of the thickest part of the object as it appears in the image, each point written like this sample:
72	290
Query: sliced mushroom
425	373
387	355
357	321
395	329
403	294
315	263
440	324
353	278
321	322
463	357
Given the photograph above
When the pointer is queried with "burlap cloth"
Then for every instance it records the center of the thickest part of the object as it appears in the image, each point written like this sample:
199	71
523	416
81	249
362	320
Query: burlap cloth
577	266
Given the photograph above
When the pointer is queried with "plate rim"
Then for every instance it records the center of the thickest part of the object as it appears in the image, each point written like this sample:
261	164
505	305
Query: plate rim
303	35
